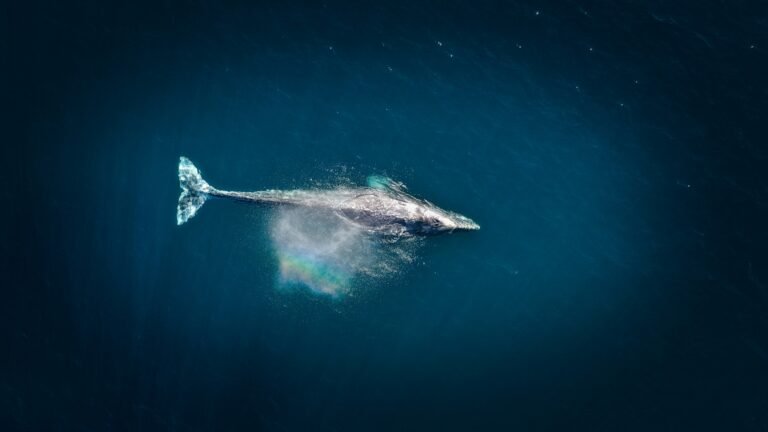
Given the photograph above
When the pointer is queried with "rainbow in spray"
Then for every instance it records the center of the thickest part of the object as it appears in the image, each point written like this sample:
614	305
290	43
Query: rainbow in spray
319	250
319	274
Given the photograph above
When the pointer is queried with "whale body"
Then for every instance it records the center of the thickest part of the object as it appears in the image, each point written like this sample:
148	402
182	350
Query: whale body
382	207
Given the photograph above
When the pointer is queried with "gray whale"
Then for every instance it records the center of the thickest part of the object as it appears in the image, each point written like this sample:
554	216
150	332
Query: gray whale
383	207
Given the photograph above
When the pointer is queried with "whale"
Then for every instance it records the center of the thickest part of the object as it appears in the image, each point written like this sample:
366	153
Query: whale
382	207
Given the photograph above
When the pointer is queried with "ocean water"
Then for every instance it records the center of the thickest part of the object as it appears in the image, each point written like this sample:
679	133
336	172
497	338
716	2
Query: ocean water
613	153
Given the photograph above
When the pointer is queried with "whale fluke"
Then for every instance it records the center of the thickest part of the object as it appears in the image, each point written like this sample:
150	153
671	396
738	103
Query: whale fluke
194	191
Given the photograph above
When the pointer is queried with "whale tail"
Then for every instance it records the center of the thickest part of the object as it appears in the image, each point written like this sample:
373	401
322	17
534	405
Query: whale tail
194	191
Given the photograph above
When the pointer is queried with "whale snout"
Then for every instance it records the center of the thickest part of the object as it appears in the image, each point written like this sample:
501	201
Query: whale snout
470	225
463	223
437	221
467	224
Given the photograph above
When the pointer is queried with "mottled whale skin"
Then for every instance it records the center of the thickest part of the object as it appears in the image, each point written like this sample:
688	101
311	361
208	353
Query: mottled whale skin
382	208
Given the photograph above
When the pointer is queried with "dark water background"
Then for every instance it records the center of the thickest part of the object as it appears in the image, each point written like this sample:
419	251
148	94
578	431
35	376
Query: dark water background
613	152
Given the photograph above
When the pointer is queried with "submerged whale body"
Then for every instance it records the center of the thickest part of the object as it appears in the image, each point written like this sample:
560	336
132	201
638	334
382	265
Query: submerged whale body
382	207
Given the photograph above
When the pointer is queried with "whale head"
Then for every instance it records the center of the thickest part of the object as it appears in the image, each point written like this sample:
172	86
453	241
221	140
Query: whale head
462	222
437	221
387	203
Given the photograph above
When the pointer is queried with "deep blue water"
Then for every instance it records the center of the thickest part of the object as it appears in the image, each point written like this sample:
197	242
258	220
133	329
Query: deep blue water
613	153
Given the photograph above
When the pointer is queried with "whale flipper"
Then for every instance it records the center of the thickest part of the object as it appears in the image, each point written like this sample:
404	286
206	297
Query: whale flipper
382	182
194	191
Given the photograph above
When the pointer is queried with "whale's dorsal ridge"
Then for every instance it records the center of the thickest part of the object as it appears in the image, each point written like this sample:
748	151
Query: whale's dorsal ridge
383	182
